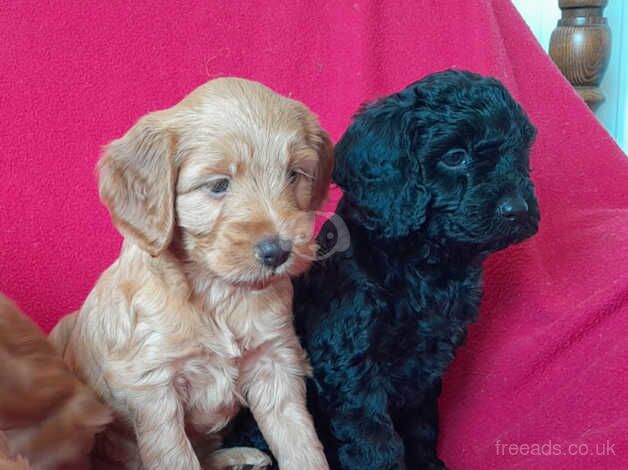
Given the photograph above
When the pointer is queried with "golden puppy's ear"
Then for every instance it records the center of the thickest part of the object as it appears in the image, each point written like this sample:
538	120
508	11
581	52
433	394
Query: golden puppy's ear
325	150
137	183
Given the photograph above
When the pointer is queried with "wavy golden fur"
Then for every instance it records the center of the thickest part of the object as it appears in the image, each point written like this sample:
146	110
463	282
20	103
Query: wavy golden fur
188	324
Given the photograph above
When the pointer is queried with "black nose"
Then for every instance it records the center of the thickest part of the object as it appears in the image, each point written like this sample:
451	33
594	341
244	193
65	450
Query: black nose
273	251
512	208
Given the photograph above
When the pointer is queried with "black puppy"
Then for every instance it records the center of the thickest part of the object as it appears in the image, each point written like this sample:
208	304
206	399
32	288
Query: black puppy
435	178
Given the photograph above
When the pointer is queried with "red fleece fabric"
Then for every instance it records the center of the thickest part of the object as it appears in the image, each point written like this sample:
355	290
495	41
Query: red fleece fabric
544	370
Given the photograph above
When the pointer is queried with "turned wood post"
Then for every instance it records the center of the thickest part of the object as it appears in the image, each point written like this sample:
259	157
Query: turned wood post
580	46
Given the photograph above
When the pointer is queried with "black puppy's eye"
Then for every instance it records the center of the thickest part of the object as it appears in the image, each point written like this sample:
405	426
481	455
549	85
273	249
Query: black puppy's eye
218	187
455	157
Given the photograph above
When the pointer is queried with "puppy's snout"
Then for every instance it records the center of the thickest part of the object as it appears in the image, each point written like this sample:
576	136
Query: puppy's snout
513	208
273	251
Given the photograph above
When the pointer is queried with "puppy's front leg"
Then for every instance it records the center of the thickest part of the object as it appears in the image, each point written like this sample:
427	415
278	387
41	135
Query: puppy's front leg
274	387
418	426
158	421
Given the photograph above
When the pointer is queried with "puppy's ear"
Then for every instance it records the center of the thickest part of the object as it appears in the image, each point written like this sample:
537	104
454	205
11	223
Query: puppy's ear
325	149
380	173
137	183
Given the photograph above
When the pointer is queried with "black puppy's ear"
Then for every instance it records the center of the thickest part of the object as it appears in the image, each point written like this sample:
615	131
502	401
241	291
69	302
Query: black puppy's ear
378	173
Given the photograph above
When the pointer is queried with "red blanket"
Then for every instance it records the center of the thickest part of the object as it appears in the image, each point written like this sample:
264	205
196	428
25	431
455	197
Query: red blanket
542	378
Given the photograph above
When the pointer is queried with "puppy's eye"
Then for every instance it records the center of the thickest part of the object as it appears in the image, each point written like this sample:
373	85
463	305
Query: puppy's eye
218	187
295	173
454	157
292	176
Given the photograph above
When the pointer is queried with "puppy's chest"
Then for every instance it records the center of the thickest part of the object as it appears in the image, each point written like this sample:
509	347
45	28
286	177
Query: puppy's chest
214	344
206	381
424	329
206	365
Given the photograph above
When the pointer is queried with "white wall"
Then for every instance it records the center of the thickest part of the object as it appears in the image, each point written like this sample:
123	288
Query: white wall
612	112
542	15
621	44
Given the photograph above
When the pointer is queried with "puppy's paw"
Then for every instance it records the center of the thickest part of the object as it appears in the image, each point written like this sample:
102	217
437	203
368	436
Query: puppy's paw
6	463
237	458
19	464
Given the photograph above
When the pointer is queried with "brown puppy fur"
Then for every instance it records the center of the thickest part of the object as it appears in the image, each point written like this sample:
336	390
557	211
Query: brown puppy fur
188	324
47	415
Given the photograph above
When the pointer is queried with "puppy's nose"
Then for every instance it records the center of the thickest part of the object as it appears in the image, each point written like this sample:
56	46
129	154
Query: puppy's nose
513	208
273	251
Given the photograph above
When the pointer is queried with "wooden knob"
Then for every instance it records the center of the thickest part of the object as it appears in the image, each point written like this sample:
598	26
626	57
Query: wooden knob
580	46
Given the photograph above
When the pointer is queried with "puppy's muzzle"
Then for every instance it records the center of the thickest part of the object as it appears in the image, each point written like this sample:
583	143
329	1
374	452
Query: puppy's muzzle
513	208
273	252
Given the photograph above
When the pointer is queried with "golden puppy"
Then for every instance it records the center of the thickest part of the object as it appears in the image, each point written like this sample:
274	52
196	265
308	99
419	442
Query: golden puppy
47	415
215	199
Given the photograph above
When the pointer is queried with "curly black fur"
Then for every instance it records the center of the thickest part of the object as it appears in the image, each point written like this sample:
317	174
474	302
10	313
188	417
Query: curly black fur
425	173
